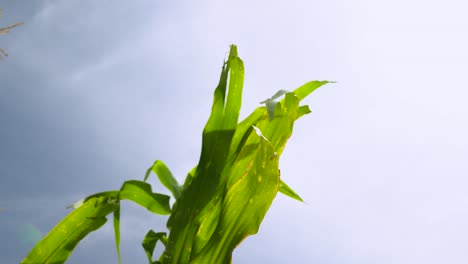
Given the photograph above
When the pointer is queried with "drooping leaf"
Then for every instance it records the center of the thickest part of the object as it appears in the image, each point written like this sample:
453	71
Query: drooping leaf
286	190
150	241
141	193
166	177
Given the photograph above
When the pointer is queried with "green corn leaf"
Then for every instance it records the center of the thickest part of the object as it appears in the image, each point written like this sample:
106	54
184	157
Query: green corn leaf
195	204
117	231
57	246
308	88
189	177
236	83
140	192
166	177
246	201
286	190
150	241
90	214
226	107
303	110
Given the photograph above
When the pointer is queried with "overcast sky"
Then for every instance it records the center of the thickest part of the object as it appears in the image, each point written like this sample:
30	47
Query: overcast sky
94	91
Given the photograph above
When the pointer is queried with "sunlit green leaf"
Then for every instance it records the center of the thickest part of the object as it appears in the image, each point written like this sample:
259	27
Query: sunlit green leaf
308	88
90	214
58	244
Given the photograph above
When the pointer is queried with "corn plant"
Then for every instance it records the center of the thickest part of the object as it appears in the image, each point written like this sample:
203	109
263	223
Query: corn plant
223	199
